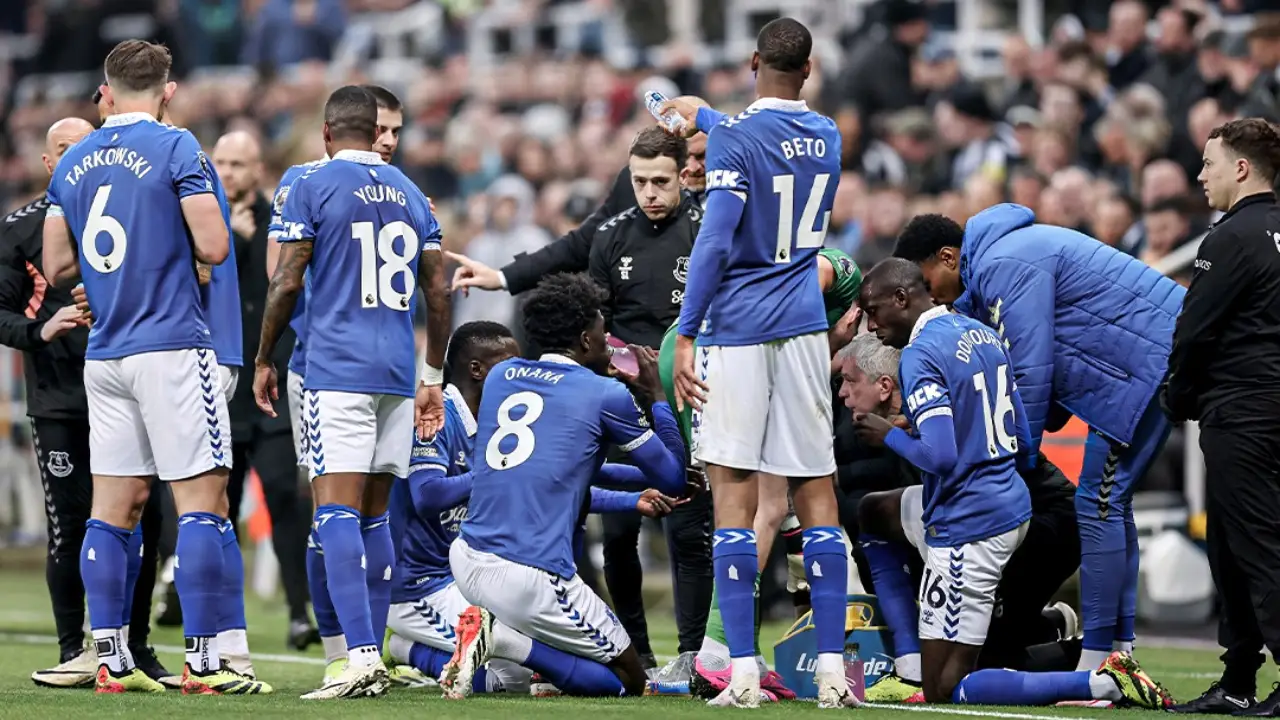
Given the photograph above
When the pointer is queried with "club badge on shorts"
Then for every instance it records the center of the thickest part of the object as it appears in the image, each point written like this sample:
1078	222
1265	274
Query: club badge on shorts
59	464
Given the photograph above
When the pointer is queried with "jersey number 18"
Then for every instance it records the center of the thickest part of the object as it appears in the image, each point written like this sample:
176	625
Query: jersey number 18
380	262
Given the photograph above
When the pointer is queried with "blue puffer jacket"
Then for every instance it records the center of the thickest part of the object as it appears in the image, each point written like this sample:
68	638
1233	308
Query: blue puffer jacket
1088	327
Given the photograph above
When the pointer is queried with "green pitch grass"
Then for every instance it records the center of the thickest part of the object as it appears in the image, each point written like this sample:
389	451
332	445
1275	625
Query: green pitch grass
27	643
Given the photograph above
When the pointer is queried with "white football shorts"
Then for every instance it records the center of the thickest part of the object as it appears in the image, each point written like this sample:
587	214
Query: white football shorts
768	407
160	414
358	433
229	377
564	614
958	589
432	620
297	423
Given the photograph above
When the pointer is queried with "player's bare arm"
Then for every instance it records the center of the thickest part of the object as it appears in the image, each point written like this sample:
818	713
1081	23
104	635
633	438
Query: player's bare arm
282	296
429	402
210	237
61	265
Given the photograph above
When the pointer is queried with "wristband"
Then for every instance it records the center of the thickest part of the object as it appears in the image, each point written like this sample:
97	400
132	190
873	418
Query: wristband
431	376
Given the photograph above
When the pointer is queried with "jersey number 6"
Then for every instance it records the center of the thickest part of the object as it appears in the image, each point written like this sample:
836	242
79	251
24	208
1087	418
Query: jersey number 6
520	429
379	262
100	222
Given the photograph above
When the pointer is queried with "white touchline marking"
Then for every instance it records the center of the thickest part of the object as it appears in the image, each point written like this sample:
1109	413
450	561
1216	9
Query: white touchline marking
29	639
973	713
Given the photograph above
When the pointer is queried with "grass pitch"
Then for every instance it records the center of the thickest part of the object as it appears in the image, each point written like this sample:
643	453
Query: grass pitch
27	642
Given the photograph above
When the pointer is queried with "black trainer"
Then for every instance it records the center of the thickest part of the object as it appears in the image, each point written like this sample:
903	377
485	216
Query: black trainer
302	634
1216	701
1267	708
144	657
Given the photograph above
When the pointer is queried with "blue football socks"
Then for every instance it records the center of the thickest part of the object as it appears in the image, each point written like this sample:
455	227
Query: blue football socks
380	558
198	575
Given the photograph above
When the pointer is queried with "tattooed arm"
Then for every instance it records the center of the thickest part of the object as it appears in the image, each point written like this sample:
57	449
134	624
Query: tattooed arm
282	297
439	305
428	403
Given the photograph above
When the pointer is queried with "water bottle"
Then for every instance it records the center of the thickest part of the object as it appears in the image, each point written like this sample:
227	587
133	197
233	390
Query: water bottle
671	119
853	672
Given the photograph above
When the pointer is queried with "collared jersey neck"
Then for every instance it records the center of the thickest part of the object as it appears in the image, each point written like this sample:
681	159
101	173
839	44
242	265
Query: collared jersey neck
364	157
935	312
452	392
558	358
773	103
128	119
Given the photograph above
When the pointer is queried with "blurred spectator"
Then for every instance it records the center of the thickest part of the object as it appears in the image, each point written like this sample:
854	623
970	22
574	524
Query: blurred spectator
876	77
1127	57
508	229
292	31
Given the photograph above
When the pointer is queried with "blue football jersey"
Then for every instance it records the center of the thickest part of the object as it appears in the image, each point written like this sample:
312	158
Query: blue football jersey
298	360
120	190
423	539
544	427
369	225
783	160
221	297
957	366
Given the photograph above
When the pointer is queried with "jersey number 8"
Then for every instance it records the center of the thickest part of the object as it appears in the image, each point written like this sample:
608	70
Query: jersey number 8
100	222
379	263
784	186
997	436
507	427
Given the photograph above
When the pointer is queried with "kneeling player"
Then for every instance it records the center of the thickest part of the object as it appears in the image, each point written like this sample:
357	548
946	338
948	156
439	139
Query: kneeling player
543	427
1024	635
973	508
429	506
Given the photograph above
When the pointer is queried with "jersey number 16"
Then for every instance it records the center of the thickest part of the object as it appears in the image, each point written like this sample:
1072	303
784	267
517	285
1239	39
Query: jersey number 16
784	186
994	418
380	262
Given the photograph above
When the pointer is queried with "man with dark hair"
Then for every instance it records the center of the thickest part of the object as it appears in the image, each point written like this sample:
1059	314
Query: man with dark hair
361	405
151	383
43	322
390	121
969	440
1224	371
572	253
641	257
429	506
331	637
542	430
1089	330
772	173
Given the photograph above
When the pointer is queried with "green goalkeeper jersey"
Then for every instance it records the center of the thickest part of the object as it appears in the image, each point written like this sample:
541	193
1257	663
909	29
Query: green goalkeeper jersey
838	299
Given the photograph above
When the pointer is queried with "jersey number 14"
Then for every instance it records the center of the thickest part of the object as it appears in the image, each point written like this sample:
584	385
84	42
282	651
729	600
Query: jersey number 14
784	186
380	262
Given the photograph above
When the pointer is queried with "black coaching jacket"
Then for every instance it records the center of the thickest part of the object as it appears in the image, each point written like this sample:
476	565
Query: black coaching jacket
54	371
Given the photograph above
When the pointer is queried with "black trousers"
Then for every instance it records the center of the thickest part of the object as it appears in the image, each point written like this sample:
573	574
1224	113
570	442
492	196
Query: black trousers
1049	554
288	502
62	453
688	530
1243	533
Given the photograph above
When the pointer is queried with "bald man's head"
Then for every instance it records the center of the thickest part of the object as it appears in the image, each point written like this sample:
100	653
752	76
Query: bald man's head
694	175
62	135
237	156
